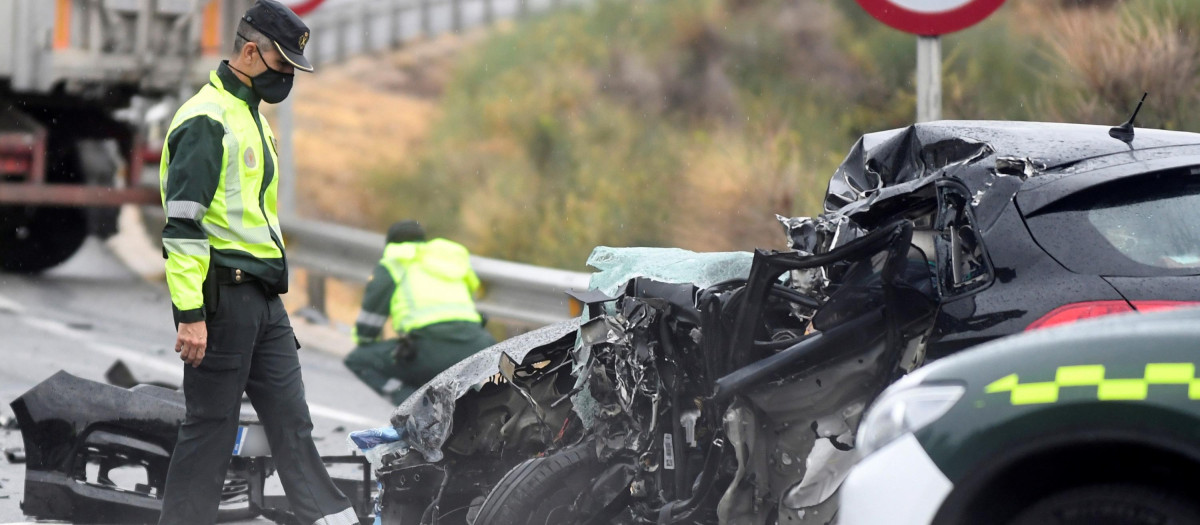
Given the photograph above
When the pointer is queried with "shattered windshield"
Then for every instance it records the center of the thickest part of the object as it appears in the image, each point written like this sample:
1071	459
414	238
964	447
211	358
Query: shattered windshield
616	266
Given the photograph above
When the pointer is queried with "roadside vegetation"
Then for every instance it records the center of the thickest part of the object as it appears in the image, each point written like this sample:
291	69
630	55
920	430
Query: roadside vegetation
691	123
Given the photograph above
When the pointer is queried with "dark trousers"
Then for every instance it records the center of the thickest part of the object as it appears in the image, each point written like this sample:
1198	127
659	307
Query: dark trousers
251	348
438	347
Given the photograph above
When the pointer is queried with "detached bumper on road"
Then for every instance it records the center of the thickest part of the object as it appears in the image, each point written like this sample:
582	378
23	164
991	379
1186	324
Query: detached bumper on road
897	485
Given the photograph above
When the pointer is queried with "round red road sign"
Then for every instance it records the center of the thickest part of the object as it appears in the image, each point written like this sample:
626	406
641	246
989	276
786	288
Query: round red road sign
930	17
303	7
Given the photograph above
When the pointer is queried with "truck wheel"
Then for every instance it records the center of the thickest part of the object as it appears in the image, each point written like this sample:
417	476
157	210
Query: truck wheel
1110	505
542	491
34	239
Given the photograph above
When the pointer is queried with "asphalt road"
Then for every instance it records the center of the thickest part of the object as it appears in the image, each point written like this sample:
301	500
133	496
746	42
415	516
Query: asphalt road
93	310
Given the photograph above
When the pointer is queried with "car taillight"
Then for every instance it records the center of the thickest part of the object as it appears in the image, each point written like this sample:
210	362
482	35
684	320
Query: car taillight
1069	313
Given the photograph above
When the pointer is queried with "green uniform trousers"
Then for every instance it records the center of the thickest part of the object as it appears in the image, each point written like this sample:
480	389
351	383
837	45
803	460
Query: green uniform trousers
438	347
251	348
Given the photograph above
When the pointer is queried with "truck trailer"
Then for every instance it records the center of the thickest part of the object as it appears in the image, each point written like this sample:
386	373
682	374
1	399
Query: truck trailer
76	80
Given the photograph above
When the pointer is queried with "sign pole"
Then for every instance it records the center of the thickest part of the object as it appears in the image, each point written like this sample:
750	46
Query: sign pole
924	18
929	78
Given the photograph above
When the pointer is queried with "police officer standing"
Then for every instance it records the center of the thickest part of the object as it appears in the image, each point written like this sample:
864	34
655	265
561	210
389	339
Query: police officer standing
225	268
426	287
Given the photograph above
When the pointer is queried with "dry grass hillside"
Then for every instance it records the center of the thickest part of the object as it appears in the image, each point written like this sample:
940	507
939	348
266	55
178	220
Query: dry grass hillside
368	114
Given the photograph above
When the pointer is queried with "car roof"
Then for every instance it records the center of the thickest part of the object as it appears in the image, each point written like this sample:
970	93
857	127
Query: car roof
1056	144
995	160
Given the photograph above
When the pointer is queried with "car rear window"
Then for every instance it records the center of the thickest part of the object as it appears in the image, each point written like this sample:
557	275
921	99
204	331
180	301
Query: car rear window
1143	226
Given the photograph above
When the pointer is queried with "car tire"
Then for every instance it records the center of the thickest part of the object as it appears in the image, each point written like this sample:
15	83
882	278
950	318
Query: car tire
1110	505
541	490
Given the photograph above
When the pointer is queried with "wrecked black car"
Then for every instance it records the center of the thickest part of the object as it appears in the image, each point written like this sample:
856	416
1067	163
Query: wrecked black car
730	392
645	413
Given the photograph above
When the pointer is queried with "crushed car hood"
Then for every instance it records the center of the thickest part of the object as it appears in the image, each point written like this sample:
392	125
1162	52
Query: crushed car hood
425	418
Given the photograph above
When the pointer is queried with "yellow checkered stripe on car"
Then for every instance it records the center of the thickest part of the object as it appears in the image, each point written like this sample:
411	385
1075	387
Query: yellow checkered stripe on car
1137	389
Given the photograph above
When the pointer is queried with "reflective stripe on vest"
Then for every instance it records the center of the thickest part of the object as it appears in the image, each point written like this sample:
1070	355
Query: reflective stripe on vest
431	284
235	219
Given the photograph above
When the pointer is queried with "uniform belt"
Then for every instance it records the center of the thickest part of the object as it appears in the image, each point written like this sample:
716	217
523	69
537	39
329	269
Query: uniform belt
227	275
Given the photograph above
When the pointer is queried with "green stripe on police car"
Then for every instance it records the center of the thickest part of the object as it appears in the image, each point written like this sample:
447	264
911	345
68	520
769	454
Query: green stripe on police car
1134	389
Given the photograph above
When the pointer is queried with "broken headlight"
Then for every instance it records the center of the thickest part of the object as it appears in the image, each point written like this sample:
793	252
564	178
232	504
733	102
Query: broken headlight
905	410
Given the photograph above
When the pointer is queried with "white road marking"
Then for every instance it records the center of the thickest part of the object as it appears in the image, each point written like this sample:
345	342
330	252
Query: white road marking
175	371
345	417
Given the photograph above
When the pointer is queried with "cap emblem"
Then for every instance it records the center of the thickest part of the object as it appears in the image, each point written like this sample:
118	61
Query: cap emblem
303	41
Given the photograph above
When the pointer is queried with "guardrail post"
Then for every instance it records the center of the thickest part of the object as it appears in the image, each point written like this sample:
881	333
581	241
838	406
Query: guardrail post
315	284
342	27
456	22
366	28
313	52
489	13
397	33
426	19
522	8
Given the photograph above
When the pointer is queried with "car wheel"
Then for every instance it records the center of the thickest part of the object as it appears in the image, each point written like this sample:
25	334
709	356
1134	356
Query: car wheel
1110	505
541	491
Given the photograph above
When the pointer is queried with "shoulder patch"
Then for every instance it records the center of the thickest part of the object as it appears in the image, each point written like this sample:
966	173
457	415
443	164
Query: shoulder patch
250	159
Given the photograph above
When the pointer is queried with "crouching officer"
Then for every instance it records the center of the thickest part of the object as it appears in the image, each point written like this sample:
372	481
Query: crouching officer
226	268
426	287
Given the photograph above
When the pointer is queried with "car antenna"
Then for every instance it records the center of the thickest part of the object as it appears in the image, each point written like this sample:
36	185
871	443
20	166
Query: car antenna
1124	132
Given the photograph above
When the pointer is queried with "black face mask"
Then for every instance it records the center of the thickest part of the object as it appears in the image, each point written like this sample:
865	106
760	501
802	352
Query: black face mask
271	86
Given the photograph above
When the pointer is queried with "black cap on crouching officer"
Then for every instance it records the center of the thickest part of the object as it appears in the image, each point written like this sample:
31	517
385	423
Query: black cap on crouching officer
406	231
289	34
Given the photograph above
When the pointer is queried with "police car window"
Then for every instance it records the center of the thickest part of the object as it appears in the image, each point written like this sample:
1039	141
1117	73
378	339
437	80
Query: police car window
962	262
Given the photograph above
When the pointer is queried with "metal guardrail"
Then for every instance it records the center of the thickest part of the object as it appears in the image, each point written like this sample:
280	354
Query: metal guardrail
518	295
353	27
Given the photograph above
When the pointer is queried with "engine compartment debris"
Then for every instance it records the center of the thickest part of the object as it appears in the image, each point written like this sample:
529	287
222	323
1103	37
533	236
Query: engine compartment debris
98	453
